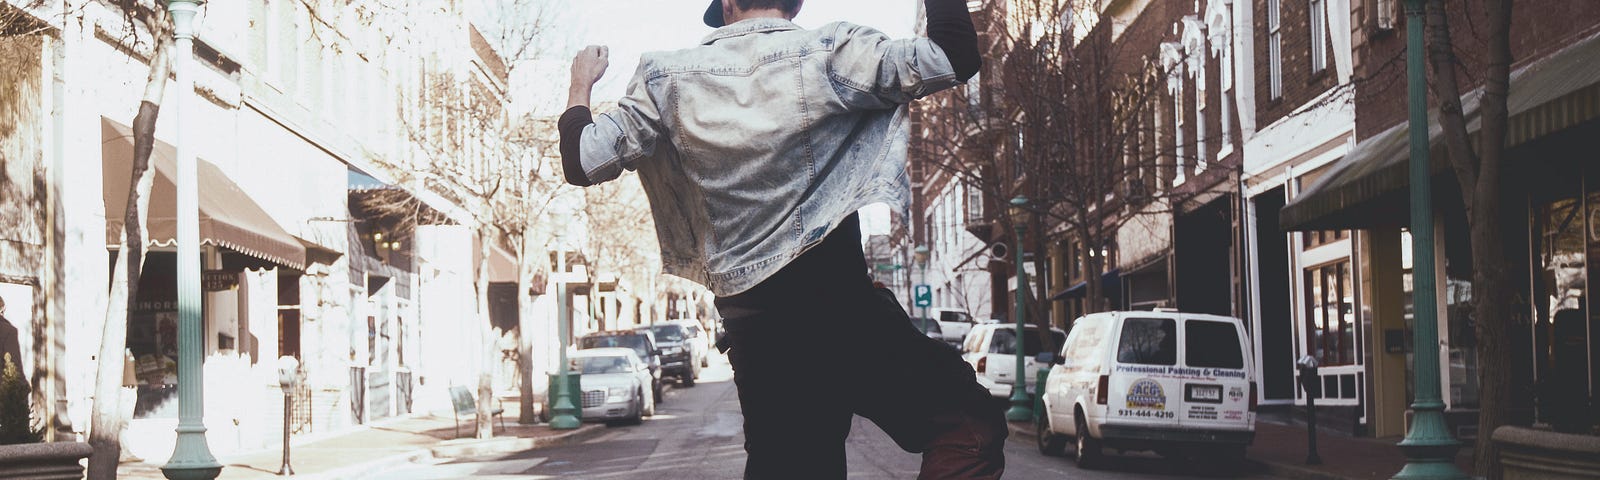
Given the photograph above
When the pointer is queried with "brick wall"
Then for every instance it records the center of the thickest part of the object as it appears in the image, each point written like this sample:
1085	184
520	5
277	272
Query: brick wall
1300	83
1538	28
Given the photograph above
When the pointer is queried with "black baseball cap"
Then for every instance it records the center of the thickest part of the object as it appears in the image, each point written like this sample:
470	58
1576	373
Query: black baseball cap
713	16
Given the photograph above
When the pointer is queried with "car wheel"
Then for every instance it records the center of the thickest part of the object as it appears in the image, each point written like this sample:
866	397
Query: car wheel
1050	443
687	379
1090	455
656	392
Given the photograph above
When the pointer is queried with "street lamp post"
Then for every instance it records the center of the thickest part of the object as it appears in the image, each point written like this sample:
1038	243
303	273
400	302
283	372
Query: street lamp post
1430	450
564	413
920	255
1021	405
191	456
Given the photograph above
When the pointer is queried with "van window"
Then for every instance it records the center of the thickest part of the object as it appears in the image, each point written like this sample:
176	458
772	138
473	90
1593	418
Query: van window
958	317
1004	341
1083	353
1212	344
1148	341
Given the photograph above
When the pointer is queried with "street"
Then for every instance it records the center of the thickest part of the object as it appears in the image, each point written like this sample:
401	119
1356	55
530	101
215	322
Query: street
696	434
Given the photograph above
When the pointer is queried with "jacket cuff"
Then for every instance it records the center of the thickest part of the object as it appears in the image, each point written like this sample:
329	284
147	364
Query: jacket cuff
571	126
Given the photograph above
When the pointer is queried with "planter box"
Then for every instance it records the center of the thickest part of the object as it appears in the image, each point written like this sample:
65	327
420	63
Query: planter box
1527	453
44	461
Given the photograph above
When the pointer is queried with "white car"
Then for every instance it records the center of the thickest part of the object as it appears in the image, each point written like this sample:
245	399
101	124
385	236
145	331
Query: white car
615	385
1180	384
955	324
698	341
991	349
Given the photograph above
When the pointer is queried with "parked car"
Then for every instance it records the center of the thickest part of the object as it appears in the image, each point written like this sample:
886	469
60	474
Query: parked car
642	343
1180	384
677	356
699	342
955	324
613	385
991	349
929	327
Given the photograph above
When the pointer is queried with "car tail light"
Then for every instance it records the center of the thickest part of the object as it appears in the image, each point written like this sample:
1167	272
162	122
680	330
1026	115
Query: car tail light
1103	390
1252	396
983	364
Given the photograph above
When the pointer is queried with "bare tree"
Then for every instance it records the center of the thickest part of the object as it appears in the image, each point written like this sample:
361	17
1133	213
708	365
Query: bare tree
1069	120
1477	168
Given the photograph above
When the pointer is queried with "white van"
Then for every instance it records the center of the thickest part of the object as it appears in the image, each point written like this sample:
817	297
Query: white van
1181	384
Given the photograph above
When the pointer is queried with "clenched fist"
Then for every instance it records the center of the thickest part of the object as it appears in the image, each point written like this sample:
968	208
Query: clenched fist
589	65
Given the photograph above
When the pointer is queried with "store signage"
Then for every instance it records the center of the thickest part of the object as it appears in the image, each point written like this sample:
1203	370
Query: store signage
218	280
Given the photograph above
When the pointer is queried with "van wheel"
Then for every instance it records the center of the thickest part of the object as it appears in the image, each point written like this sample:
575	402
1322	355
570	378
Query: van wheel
1090	456
1050	443
687	380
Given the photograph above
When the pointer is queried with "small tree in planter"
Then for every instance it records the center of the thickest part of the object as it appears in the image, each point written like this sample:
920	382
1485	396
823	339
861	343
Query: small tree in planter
16	424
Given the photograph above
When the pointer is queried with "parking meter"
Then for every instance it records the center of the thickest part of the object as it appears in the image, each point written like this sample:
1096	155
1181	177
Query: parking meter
288	378
1311	384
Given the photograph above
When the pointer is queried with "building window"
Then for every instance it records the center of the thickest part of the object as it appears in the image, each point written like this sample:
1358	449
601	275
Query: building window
974	205
1384	18
1330	314
1324	237
1016	158
1319	36
1274	51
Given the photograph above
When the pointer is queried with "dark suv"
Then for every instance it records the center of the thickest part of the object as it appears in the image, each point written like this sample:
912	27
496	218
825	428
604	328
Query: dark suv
677	356
642	342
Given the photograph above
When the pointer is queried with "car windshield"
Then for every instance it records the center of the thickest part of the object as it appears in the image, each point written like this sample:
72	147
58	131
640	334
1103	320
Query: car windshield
634	342
1004	341
668	333
606	364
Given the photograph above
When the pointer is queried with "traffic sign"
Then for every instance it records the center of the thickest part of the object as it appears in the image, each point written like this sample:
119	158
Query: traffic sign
923	296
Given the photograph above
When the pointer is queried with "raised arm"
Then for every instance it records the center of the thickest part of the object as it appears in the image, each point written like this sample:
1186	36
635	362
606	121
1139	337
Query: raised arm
597	149
871	71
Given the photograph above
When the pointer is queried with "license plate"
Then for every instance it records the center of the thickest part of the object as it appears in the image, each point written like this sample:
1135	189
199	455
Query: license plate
1205	393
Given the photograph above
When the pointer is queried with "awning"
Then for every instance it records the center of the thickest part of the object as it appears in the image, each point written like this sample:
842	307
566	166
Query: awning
1110	287
228	217
1553	93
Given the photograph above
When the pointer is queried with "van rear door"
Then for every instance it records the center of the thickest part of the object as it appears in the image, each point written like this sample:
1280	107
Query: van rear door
1216	376
1142	388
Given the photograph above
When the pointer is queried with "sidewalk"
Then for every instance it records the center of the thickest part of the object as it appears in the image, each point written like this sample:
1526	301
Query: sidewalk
383	445
1280	451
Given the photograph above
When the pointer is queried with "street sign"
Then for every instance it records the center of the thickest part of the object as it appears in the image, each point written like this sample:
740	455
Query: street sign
923	296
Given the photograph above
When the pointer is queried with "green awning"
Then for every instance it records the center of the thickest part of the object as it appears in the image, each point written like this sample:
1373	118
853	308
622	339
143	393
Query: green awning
1366	188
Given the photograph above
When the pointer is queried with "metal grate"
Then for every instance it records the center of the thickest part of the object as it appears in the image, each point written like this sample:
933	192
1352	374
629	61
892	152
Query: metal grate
594	398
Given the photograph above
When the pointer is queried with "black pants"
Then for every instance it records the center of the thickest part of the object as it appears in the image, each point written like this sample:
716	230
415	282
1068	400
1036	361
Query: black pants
816	344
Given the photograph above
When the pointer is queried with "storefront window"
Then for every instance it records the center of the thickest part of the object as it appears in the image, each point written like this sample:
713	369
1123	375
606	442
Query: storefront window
1564	236
1330	314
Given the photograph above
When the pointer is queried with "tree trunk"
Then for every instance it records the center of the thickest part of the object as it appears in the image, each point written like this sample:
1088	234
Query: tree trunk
1478	173
525	413
486	334
106	420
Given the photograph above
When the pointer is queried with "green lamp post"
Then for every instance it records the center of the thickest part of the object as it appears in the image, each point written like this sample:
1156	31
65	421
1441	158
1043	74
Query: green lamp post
191	456
920	255
1430	451
564	411
1021	405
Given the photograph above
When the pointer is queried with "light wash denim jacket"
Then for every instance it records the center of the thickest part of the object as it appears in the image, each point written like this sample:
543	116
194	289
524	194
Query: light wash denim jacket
753	145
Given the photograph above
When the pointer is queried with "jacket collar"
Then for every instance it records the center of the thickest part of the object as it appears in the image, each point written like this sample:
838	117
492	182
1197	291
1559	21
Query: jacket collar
749	26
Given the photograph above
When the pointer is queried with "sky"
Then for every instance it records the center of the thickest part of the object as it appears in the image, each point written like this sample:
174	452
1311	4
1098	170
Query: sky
631	27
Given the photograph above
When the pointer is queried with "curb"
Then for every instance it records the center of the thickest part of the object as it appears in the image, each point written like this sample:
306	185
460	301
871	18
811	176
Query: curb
464	449
493	446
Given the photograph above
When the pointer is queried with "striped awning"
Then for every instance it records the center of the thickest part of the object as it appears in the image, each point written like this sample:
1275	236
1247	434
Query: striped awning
228	217
1550	94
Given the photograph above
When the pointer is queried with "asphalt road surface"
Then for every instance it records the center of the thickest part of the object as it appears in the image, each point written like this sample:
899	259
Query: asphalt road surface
696	435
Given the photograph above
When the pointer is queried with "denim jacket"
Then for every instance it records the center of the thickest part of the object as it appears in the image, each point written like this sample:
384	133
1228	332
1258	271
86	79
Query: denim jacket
752	146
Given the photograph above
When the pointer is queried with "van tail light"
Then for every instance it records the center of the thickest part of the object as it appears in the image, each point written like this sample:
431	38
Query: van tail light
1252	396
983	364
1103	391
